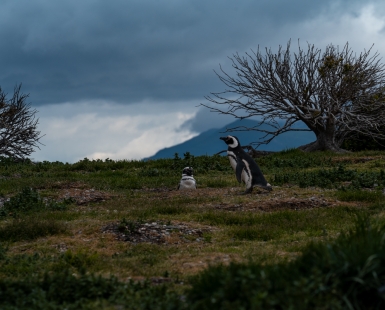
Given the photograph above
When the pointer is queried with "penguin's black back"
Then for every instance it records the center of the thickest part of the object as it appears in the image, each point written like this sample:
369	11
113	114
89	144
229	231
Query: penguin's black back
257	176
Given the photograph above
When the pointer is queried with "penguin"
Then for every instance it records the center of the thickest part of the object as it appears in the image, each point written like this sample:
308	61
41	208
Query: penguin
246	169
187	181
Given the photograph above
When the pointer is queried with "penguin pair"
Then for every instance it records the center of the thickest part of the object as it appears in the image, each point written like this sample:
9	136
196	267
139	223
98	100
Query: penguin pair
187	181
246	169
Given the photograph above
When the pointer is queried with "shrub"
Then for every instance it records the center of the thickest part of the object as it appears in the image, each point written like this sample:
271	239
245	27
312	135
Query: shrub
3	252
360	195
30	228
29	200
201	164
348	273
63	290
331	178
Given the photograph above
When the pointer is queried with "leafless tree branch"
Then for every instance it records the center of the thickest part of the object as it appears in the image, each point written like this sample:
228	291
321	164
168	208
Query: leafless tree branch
18	126
336	94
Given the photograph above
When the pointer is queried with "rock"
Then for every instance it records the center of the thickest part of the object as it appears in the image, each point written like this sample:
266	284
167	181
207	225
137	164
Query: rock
155	232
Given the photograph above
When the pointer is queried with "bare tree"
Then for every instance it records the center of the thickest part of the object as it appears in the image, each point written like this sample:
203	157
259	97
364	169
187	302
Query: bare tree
18	126
336	94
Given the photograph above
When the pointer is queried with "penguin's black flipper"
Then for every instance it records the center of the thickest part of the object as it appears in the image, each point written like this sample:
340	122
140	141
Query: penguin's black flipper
239	169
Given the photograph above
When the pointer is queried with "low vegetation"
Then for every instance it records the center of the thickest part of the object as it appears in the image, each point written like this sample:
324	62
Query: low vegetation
117	234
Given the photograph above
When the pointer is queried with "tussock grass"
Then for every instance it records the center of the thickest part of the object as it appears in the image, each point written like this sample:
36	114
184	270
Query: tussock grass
29	200
170	210
148	255
347	273
63	290
30	228
360	195
218	182
80	259
332	178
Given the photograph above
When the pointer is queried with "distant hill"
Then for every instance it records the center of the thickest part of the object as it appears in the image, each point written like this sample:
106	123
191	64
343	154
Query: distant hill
208	142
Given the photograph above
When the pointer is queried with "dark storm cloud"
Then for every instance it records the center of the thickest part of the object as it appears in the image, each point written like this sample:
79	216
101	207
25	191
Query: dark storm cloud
127	51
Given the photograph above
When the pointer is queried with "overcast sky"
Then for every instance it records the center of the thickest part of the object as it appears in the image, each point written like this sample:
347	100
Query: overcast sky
123	79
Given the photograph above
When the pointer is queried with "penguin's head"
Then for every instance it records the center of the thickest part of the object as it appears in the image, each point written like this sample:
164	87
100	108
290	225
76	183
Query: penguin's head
231	141
188	171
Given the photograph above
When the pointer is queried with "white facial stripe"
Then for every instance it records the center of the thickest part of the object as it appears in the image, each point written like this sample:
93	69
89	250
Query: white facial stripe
234	144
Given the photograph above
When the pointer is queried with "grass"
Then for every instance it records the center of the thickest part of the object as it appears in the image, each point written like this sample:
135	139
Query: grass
281	225
347	273
30	228
360	195
45	237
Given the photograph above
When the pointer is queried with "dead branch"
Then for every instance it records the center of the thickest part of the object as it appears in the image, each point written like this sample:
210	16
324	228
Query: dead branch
18	126
336	94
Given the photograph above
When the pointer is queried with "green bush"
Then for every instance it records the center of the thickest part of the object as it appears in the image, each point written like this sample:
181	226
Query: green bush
331	178
63	290
3	252
81	260
151	172
295	158
30	228
348	273
29	200
360	195
201	164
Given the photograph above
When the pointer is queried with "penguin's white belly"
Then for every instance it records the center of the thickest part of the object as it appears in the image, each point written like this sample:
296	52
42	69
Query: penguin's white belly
233	162
187	183
232	159
246	175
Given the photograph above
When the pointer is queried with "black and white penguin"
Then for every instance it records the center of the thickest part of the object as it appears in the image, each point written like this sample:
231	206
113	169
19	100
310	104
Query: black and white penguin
187	181
246	169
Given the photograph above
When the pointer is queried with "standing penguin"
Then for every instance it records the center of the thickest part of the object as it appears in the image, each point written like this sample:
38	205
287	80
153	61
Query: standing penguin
246	169
187	181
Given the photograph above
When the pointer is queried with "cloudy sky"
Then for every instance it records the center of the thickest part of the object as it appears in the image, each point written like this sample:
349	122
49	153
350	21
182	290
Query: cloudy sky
123	79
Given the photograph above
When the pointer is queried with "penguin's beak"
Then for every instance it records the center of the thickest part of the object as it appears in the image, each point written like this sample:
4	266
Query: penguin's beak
223	138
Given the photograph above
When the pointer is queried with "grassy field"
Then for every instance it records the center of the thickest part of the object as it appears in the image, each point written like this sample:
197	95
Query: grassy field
126	220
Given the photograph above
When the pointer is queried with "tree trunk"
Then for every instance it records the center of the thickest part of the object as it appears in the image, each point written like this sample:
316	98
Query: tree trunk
325	142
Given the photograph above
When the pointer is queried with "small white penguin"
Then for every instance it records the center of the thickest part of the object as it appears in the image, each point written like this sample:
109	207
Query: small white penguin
245	168
187	181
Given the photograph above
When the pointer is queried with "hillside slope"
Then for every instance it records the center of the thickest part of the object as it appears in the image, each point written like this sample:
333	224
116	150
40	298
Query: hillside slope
208	142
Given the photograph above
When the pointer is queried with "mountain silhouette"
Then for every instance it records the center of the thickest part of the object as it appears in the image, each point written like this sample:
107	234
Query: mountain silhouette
208	142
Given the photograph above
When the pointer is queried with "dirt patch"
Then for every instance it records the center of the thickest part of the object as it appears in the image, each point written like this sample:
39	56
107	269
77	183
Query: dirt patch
83	196
79	192
156	232
276	204
68	184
